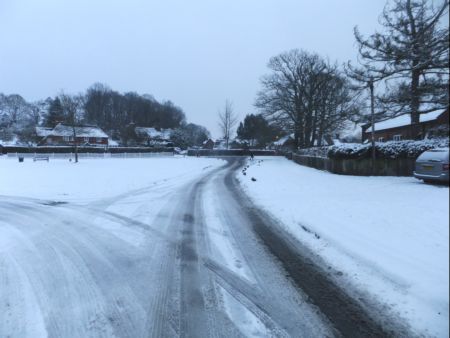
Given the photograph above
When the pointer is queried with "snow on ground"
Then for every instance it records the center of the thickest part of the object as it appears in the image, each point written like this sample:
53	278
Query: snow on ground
243	318
225	250
91	179
92	267
135	188
389	236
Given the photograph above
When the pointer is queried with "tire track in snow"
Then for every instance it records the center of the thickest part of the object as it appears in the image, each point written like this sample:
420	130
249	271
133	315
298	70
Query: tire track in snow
348	316
271	296
88	281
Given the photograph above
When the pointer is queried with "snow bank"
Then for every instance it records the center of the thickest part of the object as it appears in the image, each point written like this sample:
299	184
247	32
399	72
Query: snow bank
388	235
91	179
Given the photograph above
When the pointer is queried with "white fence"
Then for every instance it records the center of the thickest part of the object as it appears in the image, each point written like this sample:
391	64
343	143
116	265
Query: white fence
62	156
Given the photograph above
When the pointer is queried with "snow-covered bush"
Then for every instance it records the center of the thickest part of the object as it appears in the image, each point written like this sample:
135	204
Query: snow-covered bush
387	150
314	151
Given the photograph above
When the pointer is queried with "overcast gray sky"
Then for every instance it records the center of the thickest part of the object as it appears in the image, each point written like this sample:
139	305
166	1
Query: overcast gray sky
196	53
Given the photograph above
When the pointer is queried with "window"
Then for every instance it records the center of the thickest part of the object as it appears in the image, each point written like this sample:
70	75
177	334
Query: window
86	139
397	137
381	139
68	138
99	140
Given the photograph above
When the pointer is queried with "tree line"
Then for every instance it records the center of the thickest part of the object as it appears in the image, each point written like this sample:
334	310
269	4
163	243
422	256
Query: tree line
101	106
309	96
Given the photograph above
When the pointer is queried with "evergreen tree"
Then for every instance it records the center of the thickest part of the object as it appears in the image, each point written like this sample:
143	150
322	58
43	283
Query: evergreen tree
256	130
55	113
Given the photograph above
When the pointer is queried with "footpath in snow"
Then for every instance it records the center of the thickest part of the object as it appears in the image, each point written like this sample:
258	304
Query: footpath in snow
387	236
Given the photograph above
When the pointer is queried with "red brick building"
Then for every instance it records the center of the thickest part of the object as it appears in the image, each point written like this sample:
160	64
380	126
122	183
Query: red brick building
208	144
63	135
147	136
400	127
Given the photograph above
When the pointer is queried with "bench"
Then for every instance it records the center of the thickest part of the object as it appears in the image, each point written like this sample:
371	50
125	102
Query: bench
40	158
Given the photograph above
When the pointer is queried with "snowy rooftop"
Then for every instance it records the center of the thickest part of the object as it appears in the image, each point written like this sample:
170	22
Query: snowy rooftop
153	133
43	131
84	131
283	140
404	120
206	141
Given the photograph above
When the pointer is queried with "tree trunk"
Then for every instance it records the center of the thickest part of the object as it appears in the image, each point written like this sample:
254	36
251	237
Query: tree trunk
75	144
415	97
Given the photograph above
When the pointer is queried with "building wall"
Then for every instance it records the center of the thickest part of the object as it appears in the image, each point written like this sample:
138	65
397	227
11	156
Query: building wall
209	144
405	132
59	140
408	132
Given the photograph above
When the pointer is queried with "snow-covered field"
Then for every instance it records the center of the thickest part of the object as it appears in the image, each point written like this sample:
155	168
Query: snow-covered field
137	247
91	179
389	236
84	247
136	188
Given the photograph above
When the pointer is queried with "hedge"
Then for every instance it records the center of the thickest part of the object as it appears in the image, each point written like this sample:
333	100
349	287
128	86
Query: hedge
386	150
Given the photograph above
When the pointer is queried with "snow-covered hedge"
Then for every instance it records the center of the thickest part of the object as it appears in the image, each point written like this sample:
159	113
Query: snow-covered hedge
315	151
387	150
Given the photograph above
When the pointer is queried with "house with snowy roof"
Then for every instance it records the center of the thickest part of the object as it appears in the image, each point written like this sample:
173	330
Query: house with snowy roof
208	144
284	143
63	135
153	137
400	127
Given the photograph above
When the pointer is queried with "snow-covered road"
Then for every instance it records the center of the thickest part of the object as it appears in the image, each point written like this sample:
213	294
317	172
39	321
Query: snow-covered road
176	257
161	247
386	237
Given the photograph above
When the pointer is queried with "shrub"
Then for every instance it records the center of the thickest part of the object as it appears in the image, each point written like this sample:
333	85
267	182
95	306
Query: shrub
386	150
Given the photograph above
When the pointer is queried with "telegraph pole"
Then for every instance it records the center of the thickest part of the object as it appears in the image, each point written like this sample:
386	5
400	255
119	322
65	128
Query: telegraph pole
372	119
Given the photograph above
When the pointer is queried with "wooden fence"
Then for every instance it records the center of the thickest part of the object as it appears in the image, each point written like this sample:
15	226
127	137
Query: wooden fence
360	167
231	152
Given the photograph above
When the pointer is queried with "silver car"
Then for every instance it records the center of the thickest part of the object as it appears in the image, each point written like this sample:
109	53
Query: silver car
432	165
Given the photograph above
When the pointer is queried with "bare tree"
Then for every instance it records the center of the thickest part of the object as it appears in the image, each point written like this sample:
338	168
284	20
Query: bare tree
306	95
411	56
15	108
73	109
227	121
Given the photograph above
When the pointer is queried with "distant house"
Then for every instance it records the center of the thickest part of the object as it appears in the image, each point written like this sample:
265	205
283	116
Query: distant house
153	137
208	144
42	132
62	135
220	144
284	143
400	127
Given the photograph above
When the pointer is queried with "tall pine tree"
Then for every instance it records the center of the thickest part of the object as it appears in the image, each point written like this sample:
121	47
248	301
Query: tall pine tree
55	113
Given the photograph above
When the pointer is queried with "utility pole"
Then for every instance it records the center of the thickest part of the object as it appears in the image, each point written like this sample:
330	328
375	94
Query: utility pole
372	119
